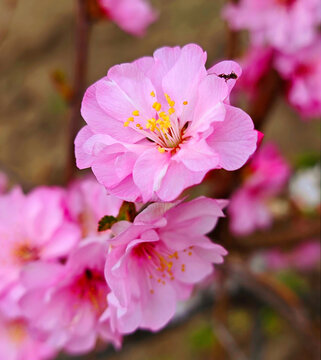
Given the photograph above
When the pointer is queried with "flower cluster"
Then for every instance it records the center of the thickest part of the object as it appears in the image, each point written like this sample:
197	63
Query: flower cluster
52	290
79	264
64	284
132	16
157	125
264	177
284	35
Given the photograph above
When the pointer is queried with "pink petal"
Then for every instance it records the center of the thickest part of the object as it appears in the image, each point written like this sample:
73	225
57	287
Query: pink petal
149	170
83	158
181	81
177	178
197	156
234	139
99	120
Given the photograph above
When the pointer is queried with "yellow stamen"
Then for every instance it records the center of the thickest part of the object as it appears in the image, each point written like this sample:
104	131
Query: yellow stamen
161	150
157	106
136	113
185	102
164	116
130	119
171	111
126	123
152	94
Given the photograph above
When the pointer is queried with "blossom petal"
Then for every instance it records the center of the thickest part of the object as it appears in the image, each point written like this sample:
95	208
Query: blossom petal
149	170
234	139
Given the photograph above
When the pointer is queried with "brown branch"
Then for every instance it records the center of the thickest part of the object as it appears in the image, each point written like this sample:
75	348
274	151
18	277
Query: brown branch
227	341
79	84
269	88
281	298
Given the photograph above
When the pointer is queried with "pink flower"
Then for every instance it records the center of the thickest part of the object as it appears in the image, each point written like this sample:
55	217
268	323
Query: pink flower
267	174
303	257
302	70
17	342
87	202
287	25
158	125
132	16
64	302
33	227
156	260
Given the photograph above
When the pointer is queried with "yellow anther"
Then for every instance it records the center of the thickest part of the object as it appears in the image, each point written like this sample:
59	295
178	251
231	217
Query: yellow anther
152	94
126	123
171	111
161	150
183	268
185	102
190	253
130	119
157	106
136	113
164	116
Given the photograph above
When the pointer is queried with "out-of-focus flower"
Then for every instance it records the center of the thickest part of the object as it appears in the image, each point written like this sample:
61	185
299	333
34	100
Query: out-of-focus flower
17	343
302	71
156	260
87	202
132	16
303	257
287	25
33	227
64	302
266	175
305	188
158	125
255	64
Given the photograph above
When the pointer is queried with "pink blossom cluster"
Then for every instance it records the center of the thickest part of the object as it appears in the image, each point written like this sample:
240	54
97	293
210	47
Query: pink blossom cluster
52	286
158	125
155	127
132	16
265	176
284	35
303	257
64	284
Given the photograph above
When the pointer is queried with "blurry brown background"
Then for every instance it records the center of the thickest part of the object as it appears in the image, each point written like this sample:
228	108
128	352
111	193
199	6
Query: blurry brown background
37	38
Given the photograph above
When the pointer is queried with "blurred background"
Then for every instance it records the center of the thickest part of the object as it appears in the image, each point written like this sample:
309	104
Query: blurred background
36	42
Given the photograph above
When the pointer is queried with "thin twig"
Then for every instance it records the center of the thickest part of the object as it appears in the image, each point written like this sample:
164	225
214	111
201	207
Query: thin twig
228	341
79	84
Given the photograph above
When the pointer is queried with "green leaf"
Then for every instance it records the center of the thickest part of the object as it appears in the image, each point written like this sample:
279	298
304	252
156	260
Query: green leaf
106	222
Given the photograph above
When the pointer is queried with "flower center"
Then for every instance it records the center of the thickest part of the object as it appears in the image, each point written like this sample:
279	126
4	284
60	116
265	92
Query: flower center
164	129
158	262
17	331
285	3
26	253
91	286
